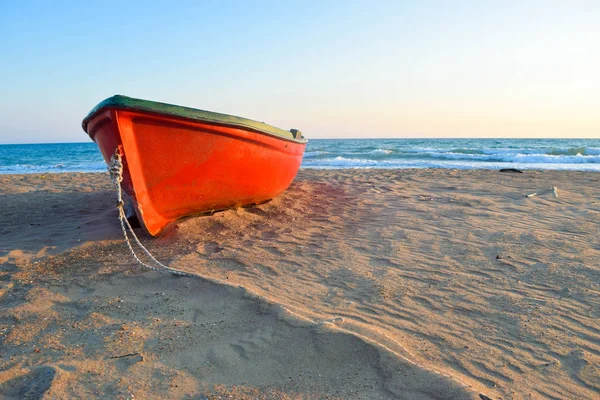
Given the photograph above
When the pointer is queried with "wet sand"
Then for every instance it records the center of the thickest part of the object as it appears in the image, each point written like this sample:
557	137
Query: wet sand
371	284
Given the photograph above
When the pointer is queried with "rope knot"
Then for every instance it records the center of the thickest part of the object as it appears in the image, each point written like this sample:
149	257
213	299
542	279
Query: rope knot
115	168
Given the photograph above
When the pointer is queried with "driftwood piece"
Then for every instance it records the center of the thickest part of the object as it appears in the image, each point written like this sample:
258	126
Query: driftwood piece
555	190
531	195
513	170
126	355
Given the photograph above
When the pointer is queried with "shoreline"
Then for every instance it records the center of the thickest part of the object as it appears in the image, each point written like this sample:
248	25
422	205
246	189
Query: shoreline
479	294
378	168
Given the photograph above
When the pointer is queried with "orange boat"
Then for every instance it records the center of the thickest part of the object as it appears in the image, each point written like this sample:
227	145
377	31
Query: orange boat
179	161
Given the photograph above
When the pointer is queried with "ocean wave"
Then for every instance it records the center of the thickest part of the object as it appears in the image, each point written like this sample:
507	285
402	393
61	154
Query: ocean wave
445	164
456	160
521	158
467	151
381	151
343	160
507	151
315	153
340	153
53	168
532	158
553	151
594	151
574	151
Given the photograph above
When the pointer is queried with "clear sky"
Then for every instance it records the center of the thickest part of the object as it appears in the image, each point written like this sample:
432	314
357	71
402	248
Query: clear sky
329	68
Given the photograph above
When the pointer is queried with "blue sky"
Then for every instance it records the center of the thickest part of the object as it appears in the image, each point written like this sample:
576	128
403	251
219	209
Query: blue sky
329	68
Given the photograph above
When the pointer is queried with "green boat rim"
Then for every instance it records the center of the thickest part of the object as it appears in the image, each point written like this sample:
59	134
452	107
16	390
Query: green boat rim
129	103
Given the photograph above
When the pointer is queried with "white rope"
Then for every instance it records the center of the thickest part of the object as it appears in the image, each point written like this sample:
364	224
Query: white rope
115	168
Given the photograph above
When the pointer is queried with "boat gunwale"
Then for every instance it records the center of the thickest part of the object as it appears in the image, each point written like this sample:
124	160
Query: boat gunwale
120	102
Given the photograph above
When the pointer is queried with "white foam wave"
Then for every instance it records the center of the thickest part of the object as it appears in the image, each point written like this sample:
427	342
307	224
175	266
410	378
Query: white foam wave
507	151
357	163
55	168
521	158
382	151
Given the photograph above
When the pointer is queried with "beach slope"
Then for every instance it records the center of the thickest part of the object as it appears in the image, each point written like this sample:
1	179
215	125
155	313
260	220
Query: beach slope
366	284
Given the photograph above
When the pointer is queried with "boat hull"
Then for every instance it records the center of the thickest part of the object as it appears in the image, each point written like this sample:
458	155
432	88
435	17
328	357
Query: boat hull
175	167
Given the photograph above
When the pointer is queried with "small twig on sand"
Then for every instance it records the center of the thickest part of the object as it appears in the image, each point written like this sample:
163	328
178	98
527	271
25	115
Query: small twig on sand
555	190
126	355
531	195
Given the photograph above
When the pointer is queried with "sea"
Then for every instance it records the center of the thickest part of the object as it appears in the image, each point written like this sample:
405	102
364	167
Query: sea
562	154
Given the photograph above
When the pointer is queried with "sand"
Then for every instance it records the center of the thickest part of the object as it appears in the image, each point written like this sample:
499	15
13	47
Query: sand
366	284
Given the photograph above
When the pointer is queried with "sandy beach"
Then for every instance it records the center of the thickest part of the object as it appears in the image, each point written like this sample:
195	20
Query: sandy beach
353	284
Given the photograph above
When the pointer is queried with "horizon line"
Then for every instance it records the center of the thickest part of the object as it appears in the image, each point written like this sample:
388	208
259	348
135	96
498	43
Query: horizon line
365	138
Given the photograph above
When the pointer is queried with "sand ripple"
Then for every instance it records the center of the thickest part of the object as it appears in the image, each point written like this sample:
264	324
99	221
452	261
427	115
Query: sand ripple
436	272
